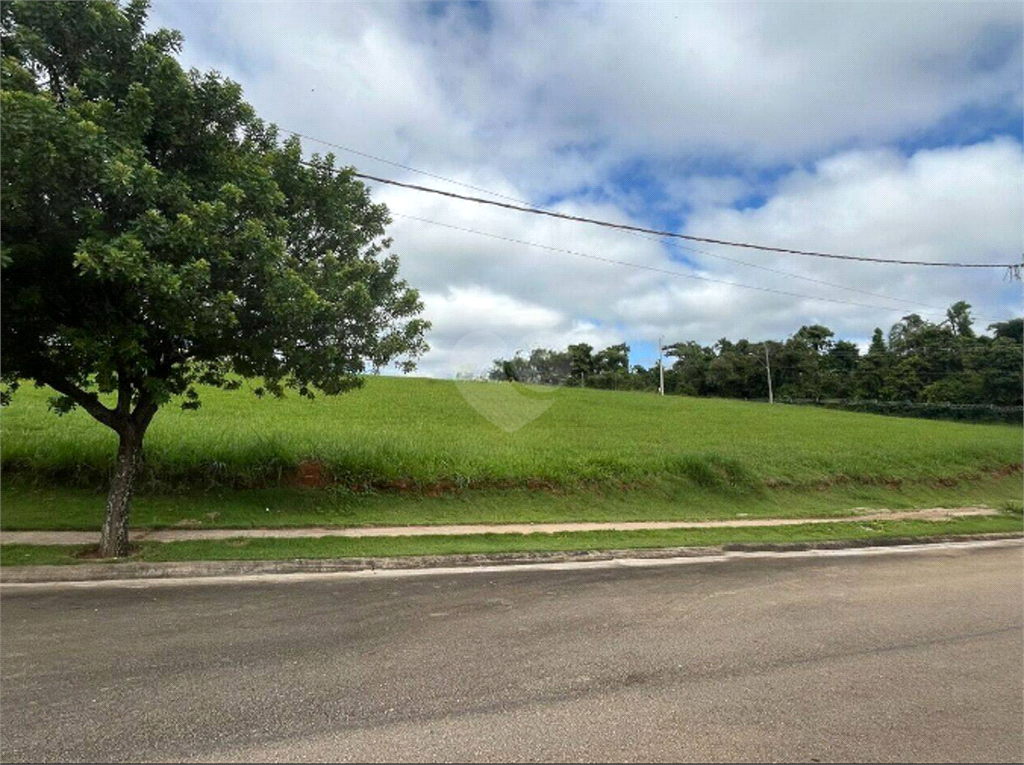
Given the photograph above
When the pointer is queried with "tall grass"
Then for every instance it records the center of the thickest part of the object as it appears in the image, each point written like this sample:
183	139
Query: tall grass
397	430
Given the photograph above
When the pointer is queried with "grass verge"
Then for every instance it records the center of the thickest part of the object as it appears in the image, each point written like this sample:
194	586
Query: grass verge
29	507
284	549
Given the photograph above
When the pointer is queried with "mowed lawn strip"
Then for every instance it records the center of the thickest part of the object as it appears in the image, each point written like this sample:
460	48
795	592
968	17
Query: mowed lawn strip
422	431
29	507
283	549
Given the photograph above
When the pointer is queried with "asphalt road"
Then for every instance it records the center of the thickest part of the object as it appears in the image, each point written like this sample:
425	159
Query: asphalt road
902	656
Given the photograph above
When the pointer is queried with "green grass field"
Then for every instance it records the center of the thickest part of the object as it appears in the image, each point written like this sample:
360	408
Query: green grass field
425	431
408	450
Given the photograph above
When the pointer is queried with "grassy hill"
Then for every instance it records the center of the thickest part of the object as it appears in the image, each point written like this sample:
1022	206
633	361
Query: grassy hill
425	430
421	440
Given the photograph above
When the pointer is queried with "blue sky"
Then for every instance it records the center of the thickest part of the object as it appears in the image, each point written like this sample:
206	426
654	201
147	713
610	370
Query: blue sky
870	128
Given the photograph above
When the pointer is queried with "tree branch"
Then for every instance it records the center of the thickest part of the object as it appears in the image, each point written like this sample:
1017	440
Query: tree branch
88	401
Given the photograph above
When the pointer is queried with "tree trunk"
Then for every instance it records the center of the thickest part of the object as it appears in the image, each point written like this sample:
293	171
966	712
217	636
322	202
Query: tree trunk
114	537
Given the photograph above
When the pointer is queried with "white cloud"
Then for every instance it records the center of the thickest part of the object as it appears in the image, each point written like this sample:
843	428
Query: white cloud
542	101
473	326
948	204
486	311
554	95
953	204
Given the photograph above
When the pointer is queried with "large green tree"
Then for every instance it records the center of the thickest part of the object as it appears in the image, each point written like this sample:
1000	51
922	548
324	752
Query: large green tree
873	367
157	235
581	361
614	359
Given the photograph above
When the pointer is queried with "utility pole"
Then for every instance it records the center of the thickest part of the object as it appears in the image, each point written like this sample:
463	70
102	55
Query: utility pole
768	366
661	369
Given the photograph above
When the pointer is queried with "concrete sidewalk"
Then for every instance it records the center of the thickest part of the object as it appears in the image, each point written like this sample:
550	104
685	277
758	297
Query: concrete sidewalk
181	535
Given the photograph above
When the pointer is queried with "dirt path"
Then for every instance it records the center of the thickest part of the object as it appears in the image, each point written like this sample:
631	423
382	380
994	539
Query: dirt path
180	535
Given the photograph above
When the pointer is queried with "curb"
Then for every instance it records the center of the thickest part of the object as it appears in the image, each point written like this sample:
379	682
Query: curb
93	572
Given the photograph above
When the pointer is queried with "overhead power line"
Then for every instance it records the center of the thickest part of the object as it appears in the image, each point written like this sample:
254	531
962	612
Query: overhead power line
685	248
637	231
791	275
672	234
1012	269
644	267
403	167
931	309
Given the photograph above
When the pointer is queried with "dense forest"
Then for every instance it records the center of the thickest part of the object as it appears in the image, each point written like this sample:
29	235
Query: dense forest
943	369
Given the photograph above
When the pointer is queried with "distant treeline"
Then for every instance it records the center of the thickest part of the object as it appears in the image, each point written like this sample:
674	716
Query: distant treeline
921	368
